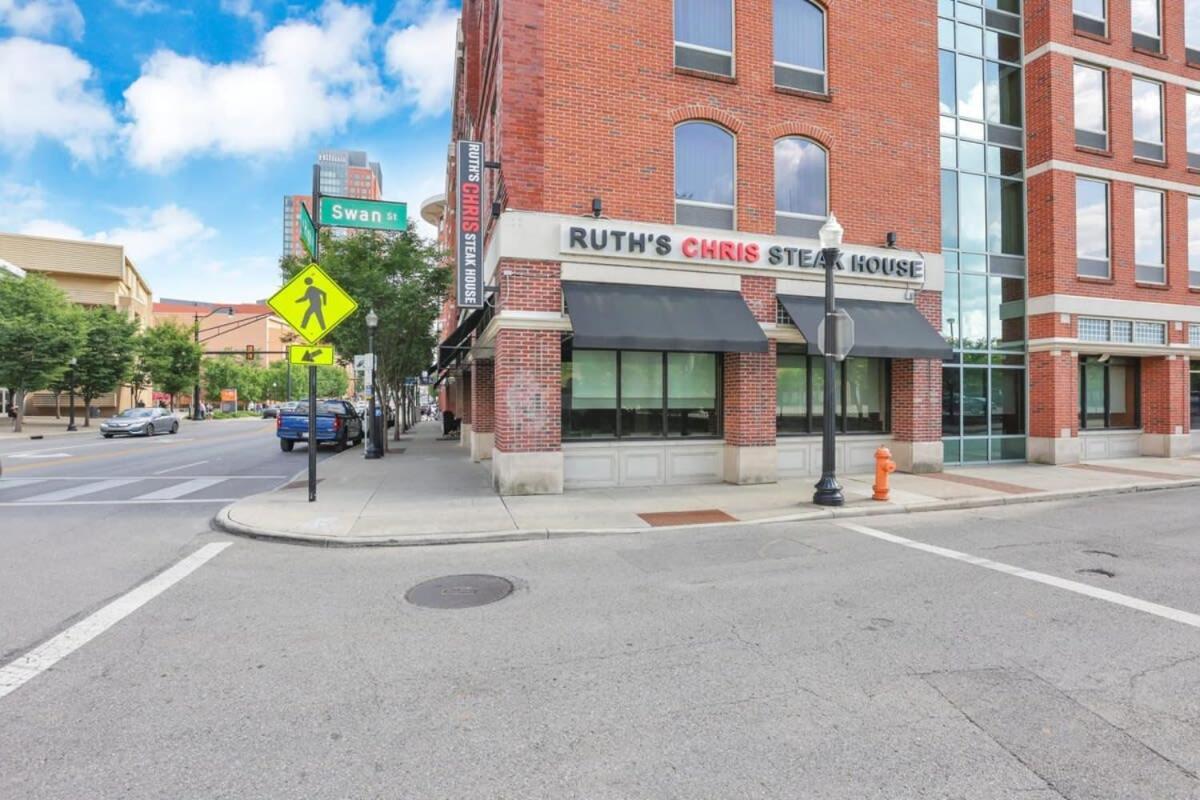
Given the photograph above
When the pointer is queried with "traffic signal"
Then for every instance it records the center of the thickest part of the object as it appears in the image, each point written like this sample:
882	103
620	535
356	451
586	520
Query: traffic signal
249	352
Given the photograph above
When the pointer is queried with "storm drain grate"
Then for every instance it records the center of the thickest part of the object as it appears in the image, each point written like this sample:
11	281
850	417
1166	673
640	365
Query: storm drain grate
459	591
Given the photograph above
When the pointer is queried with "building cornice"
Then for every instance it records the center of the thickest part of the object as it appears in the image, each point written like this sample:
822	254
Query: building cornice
1111	308
1088	171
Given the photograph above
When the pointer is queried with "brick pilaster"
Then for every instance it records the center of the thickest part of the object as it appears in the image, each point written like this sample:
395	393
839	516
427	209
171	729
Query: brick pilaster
482	397
528	391
1166	395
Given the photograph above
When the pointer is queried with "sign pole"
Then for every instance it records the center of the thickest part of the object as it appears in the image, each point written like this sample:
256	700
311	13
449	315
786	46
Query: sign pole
312	434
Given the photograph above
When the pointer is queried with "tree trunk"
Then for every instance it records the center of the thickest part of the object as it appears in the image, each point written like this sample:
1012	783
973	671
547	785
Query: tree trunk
57	411
19	402
87	405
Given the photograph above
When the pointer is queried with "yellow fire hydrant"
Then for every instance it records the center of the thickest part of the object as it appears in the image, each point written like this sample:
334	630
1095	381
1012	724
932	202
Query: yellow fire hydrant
884	467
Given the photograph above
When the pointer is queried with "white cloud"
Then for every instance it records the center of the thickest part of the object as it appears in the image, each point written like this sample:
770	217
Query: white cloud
164	234
306	79
44	93
244	9
52	228
421	56
140	7
41	17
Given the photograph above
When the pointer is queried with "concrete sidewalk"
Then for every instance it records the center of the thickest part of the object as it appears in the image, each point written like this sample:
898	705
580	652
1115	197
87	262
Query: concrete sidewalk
430	493
44	427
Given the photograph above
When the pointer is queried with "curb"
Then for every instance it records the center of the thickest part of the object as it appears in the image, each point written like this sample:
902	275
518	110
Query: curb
225	523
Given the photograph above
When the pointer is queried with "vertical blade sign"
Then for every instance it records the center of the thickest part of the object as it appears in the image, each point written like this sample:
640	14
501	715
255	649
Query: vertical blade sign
469	219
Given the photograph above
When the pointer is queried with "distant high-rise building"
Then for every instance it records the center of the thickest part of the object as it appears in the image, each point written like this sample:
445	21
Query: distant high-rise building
344	173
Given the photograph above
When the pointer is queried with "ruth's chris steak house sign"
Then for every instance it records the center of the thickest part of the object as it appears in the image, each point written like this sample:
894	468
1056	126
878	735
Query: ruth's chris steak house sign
600	240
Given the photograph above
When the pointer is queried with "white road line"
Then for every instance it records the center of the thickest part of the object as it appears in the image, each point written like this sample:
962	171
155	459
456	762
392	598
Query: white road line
13	483
77	491
176	469
63	503
160	478
46	655
1166	612
181	489
41	455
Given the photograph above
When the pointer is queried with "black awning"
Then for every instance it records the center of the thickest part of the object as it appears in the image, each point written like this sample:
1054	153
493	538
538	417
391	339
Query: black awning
453	344
882	330
617	316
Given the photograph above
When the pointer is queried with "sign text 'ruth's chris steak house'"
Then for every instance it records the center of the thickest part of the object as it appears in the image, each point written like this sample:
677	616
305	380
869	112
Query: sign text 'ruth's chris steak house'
640	284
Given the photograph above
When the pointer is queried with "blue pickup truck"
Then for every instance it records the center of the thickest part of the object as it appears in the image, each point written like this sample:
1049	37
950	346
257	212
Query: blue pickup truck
338	424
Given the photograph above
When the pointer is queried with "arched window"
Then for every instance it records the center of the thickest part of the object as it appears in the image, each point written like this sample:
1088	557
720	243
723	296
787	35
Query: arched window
704	175
801	187
800	45
704	35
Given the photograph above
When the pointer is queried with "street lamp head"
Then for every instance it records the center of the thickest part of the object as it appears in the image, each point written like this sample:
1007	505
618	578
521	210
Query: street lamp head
372	319
832	232
74	362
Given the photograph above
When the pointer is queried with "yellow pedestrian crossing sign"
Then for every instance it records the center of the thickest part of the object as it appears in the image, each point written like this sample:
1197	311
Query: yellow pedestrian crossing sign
310	355
313	304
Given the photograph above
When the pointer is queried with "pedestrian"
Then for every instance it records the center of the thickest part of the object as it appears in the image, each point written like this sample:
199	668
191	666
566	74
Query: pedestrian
12	414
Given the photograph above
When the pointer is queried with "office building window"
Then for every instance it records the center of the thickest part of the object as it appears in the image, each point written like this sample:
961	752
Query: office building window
608	394
704	35
1150	333
704	175
1194	242
800	45
1091	17
1148	119
801	187
1194	341
1146	23
1191	31
1108	393
860	393
1091	228
1149	251
1091	117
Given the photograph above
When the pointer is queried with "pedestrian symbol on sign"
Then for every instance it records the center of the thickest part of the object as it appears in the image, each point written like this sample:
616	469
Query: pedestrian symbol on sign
316	302
313	304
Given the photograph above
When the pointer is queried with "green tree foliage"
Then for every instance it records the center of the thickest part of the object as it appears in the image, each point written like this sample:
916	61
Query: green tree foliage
403	278
172	356
252	381
106	358
39	334
331	381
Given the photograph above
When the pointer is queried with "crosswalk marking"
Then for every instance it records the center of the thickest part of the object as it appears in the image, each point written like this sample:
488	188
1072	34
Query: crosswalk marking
77	491
181	489
13	483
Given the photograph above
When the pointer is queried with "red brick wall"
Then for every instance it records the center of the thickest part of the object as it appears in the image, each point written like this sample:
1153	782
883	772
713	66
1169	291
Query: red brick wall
483	415
1053	394
529	286
750	398
528	393
1166	395
465	396
917	386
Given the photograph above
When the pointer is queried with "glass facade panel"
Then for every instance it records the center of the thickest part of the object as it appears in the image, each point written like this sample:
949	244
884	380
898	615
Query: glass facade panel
590	394
865	395
1109	393
1147	111
705	23
1090	115
970	87
704	170
972	212
975	402
692	394
1144	16
800	178
1148	236
1195	397
1008	402
1194	242
1091	227
1193	128
800	34
1092	8
641	394
861	392
791	393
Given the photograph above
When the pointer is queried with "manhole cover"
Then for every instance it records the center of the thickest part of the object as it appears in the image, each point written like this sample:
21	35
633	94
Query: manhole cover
459	591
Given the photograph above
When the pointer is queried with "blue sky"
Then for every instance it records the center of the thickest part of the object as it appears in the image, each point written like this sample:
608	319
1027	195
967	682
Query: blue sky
176	128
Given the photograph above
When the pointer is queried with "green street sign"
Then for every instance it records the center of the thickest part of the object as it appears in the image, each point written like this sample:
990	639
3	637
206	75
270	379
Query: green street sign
308	232
346	212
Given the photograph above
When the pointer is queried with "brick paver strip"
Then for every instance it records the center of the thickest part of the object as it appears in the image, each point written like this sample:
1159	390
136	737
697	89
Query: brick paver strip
661	518
1142	473
982	483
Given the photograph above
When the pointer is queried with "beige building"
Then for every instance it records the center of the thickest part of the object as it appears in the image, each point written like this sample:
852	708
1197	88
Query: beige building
252	326
92	274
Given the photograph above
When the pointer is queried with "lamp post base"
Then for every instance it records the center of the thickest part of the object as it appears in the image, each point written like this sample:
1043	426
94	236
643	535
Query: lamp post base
71	428
829	492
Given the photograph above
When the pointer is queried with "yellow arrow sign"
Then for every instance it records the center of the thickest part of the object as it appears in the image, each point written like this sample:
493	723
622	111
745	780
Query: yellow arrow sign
313	304
310	355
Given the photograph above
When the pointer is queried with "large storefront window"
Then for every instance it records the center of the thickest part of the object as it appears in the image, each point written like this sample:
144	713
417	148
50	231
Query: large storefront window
1109	393
1195	387
631	394
860	391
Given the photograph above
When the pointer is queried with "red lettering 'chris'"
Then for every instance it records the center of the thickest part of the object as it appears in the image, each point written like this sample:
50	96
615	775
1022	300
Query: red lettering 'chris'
689	247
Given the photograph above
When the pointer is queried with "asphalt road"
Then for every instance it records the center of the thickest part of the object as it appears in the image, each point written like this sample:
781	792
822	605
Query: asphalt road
949	655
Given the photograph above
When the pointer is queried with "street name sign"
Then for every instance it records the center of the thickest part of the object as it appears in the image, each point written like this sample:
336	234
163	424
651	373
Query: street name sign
308	355
308	231
313	304
349	212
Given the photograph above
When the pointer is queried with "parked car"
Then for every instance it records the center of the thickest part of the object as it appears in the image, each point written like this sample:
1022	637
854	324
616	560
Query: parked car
337	424
270	412
140	422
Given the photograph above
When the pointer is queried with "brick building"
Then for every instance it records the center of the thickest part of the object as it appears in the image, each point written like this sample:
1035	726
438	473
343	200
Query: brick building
659	172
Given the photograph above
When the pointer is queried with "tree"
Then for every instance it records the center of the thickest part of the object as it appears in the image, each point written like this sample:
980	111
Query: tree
173	357
331	381
221	372
39	334
106	358
139	373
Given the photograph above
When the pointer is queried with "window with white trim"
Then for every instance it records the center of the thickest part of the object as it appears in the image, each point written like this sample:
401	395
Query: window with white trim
1149	333
1148	120
1149	250
704	175
1091	228
800	45
1093	330
1194	335
704	35
1091	104
801	187
1194	242
1146	21
1191	31
1193	128
1091	16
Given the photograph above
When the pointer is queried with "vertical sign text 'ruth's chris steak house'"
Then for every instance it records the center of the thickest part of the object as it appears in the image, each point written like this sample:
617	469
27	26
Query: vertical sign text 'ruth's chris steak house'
469	219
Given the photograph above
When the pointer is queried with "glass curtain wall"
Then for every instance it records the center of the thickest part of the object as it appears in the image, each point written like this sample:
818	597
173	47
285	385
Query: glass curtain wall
983	230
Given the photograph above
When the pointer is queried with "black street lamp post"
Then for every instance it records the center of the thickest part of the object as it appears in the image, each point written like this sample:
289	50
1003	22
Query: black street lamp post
829	491
71	396
196	318
374	447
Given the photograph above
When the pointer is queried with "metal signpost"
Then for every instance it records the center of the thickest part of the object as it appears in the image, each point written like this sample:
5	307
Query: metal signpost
313	304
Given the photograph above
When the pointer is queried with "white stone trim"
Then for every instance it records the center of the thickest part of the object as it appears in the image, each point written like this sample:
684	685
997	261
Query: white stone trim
521	321
649	276
1102	60
1077	346
1100	173
1109	307
847	291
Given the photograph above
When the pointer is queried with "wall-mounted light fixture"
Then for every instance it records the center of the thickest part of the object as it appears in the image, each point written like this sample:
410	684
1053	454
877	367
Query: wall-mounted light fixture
597	207
891	239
